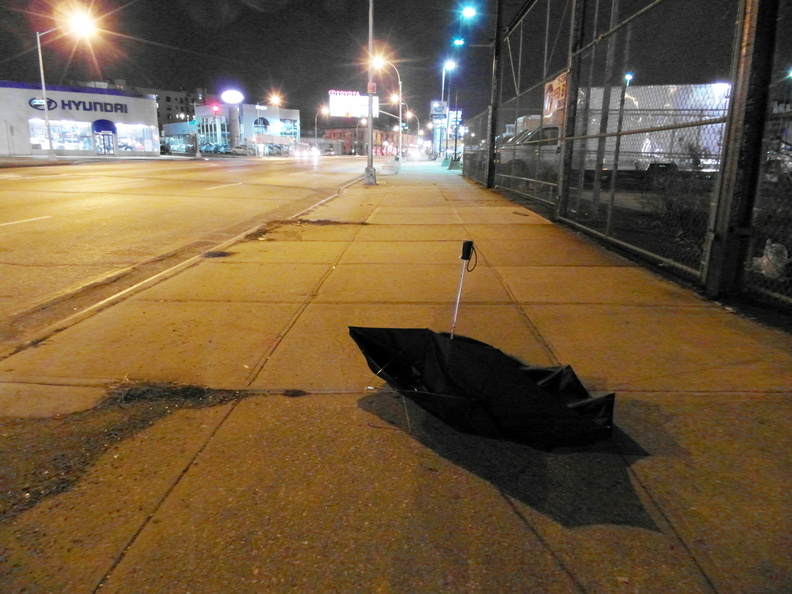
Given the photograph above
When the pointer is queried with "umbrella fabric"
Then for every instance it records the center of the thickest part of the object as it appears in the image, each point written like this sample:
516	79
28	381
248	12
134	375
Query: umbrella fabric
476	388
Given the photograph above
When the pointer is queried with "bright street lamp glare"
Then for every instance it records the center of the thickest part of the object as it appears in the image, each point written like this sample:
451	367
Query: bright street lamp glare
458	42
82	24
378	62
469	12
232	96
275	99
449	65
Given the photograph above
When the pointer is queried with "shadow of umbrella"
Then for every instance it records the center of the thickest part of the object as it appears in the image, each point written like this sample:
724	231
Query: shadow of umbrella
576	487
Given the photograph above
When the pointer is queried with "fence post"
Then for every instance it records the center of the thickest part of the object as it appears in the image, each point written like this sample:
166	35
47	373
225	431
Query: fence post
570	112
496	94
728	234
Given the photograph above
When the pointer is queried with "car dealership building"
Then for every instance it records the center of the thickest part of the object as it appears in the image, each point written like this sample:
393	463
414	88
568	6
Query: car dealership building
83	121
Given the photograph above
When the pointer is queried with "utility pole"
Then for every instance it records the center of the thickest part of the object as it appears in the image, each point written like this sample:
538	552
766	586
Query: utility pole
370	174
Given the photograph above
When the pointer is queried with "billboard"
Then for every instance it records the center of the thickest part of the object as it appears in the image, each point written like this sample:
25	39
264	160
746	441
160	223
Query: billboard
555	93
350	104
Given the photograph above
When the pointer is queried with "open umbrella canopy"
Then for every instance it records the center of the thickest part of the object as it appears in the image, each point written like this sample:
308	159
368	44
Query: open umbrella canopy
476	388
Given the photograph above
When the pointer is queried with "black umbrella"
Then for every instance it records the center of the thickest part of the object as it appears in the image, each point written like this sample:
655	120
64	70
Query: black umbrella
475	388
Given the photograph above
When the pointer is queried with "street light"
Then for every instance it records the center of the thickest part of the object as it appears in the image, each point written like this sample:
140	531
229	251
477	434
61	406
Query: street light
447	67
379	62
410	115
369	173
80	24
275	99
233	98
357	144
324	110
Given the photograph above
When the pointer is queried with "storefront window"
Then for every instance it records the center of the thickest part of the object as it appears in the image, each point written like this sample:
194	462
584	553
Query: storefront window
66	135
213	129
137	137
261	126
289	128
78	136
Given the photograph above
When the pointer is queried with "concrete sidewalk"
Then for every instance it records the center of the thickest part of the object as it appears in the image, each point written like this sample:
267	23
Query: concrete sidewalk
331	492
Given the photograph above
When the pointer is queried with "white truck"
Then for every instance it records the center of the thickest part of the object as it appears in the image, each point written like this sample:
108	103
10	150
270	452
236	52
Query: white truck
646	128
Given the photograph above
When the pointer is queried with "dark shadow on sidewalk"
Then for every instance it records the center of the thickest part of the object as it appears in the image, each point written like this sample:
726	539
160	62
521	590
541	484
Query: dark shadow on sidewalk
574	487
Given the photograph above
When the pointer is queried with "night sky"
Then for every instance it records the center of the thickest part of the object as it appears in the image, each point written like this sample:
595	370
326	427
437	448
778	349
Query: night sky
302	48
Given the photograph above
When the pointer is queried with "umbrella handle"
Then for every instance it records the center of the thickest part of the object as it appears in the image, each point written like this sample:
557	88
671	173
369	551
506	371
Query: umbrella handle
467	249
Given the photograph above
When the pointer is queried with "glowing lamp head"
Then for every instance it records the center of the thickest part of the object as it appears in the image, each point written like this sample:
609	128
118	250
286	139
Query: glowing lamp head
81	24
232	96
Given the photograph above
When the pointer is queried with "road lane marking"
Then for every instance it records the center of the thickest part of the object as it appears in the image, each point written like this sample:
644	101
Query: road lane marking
225	186
24	221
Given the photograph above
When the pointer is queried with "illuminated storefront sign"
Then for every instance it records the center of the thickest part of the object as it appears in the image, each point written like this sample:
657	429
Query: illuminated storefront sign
77	121
350	104
72	105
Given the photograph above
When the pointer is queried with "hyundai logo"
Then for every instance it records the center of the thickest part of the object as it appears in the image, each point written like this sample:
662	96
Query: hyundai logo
37	103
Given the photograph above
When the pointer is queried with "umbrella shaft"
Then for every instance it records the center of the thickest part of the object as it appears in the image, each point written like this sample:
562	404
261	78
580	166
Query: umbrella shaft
459	296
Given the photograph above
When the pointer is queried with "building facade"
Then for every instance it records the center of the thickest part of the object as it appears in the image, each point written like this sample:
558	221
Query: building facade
172	106
217	126
82	122
386	142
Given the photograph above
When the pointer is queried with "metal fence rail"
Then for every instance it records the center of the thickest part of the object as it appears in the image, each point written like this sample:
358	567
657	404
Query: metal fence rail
657	125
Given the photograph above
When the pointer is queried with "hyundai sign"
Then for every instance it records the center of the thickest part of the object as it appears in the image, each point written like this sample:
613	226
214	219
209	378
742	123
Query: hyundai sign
37	103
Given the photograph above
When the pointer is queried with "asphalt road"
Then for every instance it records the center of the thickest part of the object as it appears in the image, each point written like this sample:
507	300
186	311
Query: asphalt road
72	234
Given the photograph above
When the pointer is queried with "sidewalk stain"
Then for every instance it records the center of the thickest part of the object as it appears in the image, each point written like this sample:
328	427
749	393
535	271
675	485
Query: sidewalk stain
46	456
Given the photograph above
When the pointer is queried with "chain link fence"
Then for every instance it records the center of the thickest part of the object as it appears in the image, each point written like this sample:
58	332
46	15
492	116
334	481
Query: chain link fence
628	118
769	270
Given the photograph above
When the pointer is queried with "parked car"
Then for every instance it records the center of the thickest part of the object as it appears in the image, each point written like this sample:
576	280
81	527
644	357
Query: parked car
242	150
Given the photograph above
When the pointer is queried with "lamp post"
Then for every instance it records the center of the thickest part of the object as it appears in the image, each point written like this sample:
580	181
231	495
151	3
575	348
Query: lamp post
357	144
82	25
369	173
324	110
410	115
380	62
447	66
233	98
